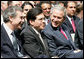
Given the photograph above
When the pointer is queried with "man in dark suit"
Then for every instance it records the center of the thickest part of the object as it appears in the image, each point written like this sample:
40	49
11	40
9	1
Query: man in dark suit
46	7
79	35
10	45
71	19
58	37
33	43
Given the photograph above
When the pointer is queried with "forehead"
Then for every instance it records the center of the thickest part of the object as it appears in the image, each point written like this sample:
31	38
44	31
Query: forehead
40	16
57	12
19	13
28	6
45	5
71	4
4	2
15	2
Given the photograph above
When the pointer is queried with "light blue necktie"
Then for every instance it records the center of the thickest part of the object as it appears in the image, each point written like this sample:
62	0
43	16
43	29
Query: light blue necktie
16	46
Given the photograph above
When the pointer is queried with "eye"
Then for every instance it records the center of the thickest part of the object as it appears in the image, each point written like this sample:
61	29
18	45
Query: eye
22	17
26	9
49	8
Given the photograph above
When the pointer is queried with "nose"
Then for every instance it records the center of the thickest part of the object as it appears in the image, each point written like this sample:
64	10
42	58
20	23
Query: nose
74	9
56	19
48	10
22	20
43	21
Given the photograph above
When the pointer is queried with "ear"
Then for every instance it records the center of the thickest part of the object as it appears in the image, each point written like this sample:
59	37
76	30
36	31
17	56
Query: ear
31	22
10	18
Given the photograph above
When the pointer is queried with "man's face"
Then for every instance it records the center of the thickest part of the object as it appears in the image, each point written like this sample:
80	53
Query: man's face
46	9
3	5
39	22
57	17
27	8
18	20
71	9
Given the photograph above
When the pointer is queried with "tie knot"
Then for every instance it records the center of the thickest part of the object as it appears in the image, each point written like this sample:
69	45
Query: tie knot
12	34
71	19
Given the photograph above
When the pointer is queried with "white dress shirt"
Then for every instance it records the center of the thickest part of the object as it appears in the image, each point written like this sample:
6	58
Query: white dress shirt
69	19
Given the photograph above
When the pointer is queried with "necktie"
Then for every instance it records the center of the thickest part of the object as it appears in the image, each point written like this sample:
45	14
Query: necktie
16	46
14	41
73	25
42	40
46	52
63	33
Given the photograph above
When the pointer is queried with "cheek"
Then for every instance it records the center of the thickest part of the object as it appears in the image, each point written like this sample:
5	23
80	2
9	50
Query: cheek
44	11
17	21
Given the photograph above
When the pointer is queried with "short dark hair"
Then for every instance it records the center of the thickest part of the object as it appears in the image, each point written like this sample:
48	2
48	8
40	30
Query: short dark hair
26	3
47	2
66	3
31	15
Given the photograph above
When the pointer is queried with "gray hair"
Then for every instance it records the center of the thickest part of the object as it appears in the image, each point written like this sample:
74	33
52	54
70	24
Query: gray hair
10	11
58	7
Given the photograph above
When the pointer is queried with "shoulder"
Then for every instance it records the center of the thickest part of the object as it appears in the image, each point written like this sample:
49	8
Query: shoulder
48	30
80	25
76	18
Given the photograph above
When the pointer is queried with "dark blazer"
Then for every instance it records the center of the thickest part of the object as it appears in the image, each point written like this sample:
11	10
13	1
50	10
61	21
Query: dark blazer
7	49
79	35
32	43
58	44
68	24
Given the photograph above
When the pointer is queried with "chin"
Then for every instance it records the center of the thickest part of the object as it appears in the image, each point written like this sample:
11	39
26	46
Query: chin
19	27
54	25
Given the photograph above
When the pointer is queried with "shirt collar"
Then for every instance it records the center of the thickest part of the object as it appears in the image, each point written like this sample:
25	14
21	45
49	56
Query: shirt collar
8	30
69	18
36	30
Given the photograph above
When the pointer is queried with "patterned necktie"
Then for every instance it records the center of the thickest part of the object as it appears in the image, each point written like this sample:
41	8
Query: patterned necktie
73	25
63	33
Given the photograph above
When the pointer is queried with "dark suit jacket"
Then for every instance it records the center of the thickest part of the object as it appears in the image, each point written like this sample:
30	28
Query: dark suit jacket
68	24
7	49
58	44
79	35
32	43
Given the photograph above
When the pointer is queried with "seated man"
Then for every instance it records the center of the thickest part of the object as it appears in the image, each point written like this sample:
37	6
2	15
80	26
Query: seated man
59	40
32	40
10	45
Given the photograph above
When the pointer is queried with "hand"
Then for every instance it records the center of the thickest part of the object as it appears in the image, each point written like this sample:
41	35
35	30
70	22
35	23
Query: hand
26	57
55	57
76	51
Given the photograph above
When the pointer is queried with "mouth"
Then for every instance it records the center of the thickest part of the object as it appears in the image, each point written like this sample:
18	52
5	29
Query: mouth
20	24
56	23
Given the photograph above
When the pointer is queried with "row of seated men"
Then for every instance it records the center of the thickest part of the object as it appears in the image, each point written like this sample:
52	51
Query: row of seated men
32	39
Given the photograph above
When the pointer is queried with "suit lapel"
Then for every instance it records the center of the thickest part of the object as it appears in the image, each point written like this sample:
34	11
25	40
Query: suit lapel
6	37
36	35
60	36
68	22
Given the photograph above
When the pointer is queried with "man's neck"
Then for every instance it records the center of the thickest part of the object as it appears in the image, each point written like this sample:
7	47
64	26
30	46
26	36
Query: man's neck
47	17
10	26
69	16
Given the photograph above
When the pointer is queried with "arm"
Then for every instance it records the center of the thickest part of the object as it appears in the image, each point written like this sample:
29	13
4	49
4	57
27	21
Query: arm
6	50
